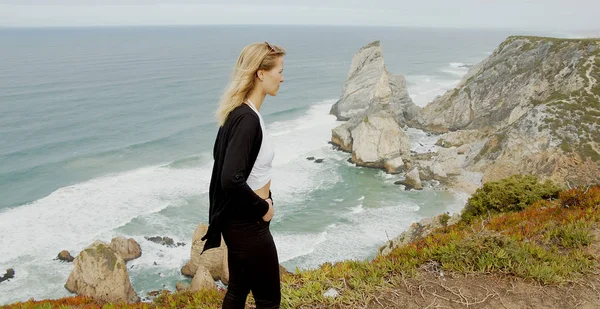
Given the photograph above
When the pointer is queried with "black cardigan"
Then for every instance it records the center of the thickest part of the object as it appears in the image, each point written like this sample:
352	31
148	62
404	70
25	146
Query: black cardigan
236	148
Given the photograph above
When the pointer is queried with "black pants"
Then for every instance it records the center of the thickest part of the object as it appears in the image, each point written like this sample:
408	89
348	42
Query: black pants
253	265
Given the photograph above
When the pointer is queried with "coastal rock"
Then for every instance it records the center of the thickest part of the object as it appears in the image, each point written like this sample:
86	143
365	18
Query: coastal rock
412	180
165	241
377	139
65	256
418	230
10	273
449	161
464	149
341	137
444	165
394	166
150	296
225	275
128	249
100	273
202	280
438	172
467	182
182	286
211	259
383	92
400	101
459	138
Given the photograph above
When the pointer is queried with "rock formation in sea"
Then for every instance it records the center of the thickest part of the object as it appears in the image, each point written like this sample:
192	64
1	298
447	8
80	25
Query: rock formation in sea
369	83
100	272
10	273
65	256
212	259
375	105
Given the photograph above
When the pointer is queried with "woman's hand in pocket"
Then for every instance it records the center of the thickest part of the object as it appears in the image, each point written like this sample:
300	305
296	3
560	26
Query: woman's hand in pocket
270	213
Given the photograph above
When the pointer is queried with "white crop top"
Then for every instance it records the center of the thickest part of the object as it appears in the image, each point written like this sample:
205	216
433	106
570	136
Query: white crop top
261	172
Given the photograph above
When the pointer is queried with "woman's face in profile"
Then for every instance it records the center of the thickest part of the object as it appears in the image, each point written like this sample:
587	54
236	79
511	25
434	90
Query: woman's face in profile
273	78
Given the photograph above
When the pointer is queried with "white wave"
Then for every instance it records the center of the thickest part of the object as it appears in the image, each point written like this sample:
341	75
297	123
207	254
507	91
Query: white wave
363	230
290	246
158	260
360	237
358	209
457	69
422	142
457	65
280	133
424	88
73	217
295	140
385	176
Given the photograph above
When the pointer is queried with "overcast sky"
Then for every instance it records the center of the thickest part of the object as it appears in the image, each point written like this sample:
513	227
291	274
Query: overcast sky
520	14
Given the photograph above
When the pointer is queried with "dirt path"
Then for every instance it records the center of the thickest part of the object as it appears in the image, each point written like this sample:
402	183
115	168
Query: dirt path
591	80
486	291
436	289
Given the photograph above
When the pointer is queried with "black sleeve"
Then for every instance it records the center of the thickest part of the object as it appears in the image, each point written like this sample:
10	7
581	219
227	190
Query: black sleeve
245	131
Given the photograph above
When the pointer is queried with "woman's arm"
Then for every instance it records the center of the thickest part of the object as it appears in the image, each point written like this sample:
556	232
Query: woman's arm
245	132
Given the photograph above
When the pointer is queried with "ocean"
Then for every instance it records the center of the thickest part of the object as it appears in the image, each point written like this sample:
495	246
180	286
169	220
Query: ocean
108	132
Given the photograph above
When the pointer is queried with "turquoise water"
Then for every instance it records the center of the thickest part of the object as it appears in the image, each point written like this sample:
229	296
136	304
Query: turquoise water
109	131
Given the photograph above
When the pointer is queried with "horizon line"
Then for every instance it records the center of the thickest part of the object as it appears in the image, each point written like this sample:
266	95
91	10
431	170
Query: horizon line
295	25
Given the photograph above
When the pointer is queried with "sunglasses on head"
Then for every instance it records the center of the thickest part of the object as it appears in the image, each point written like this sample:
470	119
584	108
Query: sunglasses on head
271	47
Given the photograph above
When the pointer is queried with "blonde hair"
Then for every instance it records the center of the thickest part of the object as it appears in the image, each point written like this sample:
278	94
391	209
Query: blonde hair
254	57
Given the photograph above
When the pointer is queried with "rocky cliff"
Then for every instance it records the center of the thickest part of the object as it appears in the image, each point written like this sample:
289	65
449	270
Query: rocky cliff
532	107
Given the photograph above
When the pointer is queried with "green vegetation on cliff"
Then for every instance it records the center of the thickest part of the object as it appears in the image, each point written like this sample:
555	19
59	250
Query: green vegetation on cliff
514	193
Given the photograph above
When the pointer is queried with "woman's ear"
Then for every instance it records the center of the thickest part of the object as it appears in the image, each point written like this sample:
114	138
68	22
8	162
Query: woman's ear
260	74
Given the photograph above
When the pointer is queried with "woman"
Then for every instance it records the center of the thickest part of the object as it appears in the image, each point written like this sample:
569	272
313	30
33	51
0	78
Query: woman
241	207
